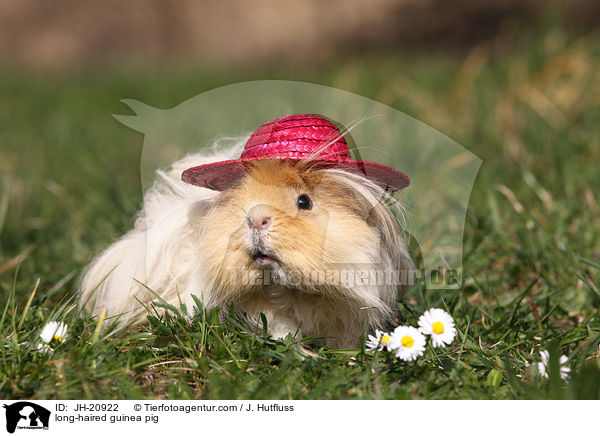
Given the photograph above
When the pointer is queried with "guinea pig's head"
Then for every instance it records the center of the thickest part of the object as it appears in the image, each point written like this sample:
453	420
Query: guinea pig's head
285	223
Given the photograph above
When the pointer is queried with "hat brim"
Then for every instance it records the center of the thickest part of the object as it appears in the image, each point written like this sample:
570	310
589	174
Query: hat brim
221	175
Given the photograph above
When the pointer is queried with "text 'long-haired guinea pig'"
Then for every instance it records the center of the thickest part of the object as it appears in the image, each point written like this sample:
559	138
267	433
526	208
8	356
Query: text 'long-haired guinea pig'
294	229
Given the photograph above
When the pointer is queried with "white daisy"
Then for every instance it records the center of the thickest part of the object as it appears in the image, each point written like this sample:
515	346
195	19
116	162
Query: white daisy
407	343
378	342
52	334
440	325
543	365
44	348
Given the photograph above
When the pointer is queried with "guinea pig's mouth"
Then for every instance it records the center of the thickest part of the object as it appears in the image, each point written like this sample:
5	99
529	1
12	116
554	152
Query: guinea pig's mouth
263	257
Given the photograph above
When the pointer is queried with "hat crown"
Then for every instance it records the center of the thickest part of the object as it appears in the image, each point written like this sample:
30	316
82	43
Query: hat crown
297	137
294	138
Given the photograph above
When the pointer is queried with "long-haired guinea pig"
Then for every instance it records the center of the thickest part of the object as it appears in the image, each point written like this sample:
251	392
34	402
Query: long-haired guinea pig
309	246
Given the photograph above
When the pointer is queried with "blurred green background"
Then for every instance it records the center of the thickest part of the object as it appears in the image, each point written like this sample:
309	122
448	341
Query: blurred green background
515	82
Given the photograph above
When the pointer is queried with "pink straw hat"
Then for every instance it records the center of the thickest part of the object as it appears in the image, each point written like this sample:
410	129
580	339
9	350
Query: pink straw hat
294	138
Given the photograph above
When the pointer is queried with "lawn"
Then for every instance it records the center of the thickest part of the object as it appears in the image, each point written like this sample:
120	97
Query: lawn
527	103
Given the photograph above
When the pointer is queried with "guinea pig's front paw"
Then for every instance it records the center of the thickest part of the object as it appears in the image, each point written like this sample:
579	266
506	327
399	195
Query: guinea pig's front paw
280	329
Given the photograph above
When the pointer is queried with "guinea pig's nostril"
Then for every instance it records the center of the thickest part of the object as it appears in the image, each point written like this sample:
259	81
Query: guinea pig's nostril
266	222
258	222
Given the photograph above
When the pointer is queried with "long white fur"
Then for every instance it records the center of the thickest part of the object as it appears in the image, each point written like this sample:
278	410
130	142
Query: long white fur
156	244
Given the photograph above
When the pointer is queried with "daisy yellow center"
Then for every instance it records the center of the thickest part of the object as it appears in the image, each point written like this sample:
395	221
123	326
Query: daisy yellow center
58	338
438	328
385	339
407	341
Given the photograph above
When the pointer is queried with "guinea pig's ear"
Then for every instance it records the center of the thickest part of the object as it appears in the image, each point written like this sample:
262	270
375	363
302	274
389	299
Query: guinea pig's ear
310	176
334	190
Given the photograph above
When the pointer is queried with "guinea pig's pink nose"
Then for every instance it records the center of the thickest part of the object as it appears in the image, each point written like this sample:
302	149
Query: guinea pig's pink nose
258	221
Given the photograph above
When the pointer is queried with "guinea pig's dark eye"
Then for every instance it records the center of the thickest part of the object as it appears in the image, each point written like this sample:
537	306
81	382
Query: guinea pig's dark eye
304	202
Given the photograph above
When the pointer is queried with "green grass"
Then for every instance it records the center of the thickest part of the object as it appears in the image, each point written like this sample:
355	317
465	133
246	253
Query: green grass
528	104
